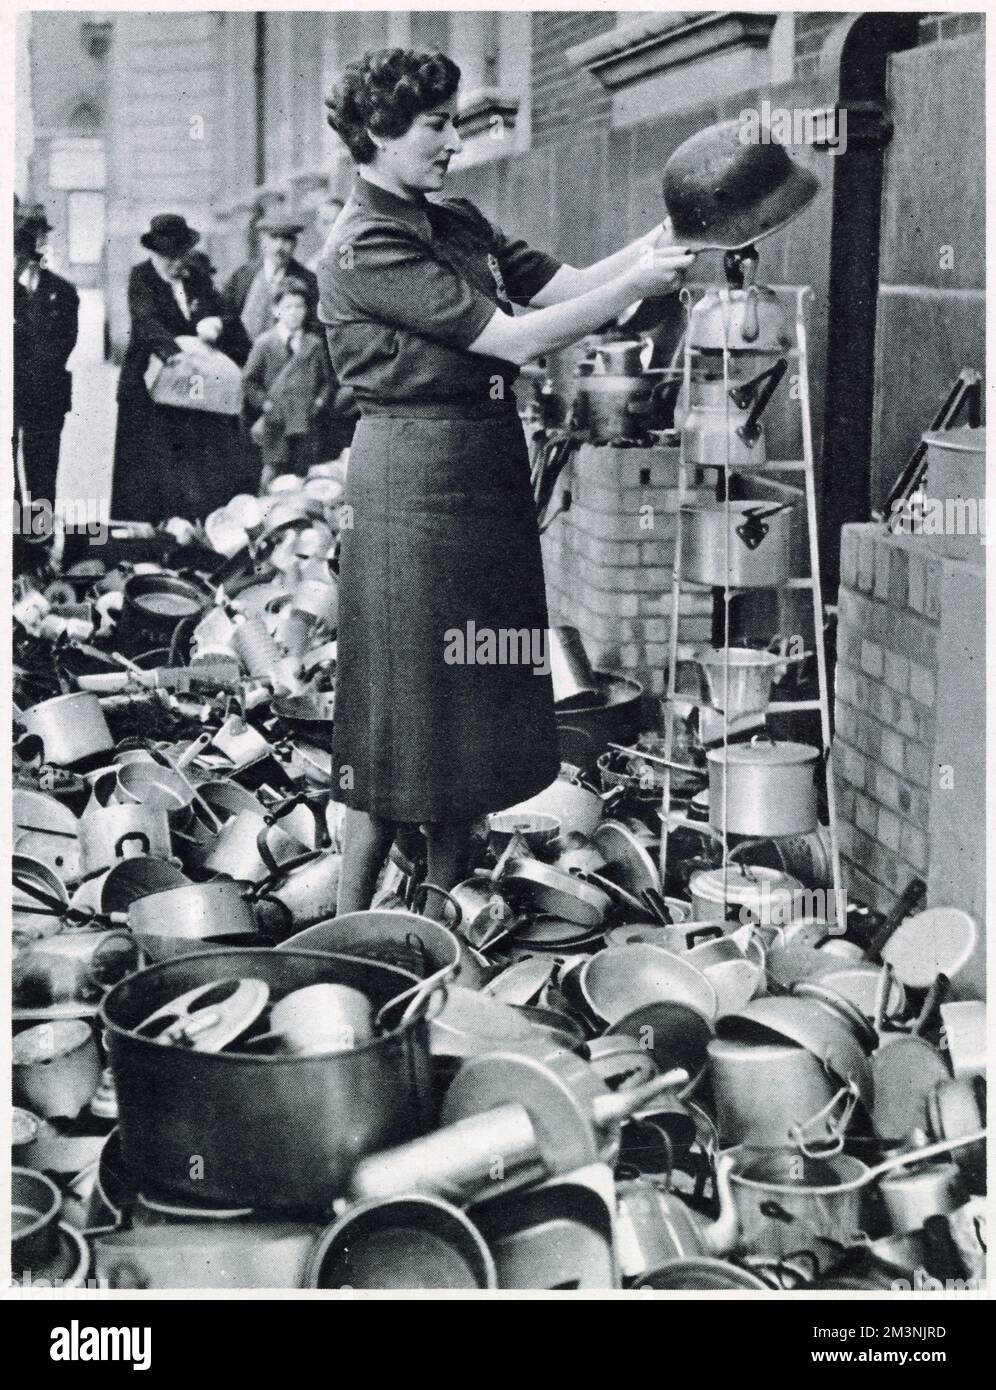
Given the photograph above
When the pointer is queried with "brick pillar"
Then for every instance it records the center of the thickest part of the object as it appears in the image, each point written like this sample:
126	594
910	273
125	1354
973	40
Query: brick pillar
909	741
610	558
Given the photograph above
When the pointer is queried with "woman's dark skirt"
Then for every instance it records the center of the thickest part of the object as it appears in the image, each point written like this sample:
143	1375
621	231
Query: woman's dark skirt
444	704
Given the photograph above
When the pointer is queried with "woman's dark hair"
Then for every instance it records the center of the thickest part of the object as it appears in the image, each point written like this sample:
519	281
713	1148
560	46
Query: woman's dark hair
383	92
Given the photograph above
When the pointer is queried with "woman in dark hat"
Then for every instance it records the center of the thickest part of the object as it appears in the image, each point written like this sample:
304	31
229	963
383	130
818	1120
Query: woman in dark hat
444	705
170	461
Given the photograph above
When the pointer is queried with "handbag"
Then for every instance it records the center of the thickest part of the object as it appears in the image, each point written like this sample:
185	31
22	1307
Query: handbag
203	378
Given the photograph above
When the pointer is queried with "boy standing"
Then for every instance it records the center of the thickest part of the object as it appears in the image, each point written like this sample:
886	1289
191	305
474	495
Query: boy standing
286	383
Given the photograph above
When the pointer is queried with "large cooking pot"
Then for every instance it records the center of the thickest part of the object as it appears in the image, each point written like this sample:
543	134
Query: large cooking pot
764	789
614	406
745	893
739	679
153	605
746	545
251	846
302	892
801	1100
274	1132
72	728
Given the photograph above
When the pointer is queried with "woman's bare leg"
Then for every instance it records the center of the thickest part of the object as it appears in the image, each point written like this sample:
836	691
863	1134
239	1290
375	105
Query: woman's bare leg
366	841
448	861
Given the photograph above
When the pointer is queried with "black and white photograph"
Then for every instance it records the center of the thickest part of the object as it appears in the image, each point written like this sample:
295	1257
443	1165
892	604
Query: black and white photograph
498	525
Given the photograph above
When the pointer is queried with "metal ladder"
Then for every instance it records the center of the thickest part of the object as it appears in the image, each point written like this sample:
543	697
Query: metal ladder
811	583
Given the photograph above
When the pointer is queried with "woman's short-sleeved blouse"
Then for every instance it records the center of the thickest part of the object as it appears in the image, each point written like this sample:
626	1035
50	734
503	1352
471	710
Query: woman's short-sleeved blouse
406	287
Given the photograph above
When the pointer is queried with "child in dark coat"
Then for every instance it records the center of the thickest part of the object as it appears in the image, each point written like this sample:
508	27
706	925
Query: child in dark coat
286	383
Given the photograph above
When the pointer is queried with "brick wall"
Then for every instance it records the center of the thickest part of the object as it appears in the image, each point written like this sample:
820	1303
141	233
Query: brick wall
810	31
894	776
609	561
566	102
947	26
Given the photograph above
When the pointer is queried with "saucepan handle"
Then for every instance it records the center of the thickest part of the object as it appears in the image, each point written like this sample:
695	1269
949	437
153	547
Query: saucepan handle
703	934
122	840
426	887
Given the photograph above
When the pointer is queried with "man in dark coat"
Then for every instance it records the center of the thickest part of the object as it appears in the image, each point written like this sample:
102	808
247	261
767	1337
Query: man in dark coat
46	322
249	293
170	461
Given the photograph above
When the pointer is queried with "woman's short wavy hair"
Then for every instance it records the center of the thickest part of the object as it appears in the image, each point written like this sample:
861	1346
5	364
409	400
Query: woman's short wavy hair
383	92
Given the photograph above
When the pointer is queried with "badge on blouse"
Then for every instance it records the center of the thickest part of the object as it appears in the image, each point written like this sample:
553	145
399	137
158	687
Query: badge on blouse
495	269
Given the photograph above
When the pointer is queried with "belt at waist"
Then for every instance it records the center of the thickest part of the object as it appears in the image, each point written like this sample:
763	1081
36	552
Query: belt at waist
471	410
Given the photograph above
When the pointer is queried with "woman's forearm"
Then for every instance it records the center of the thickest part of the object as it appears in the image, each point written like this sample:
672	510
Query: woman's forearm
571	281
519	340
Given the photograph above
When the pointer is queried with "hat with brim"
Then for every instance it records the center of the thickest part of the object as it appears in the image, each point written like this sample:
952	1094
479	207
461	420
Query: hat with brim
169	235
280	226
34	221
731	184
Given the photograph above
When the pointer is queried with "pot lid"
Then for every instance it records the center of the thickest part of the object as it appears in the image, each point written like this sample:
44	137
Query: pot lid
734	885
936	942
633	868
777	754
46	1041
963	441
905	1071
700	1273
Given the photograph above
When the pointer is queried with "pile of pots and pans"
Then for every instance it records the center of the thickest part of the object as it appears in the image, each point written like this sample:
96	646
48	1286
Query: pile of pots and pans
569	1076
696	1092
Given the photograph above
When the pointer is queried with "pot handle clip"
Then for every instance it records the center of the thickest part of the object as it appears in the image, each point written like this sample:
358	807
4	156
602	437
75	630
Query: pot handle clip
847	1094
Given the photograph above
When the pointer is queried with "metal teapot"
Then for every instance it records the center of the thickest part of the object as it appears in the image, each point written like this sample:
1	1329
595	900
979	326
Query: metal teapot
654	1226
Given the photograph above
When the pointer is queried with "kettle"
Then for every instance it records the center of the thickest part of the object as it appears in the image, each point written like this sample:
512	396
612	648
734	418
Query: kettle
655	1226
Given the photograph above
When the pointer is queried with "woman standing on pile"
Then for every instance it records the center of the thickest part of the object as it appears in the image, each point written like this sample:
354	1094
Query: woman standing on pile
417	297
170	461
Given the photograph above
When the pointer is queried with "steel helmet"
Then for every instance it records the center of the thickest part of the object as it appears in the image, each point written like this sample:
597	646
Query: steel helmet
724	191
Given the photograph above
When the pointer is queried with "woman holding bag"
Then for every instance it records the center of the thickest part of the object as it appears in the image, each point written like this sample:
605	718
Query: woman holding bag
417	297
170	461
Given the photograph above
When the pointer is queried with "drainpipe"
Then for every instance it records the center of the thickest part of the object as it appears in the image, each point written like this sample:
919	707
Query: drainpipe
860	52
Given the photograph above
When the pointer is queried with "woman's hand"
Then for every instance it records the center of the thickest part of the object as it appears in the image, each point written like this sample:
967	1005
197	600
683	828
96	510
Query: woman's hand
209	329
660	268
